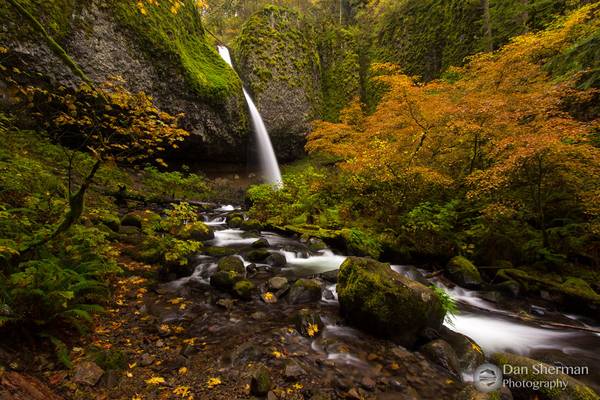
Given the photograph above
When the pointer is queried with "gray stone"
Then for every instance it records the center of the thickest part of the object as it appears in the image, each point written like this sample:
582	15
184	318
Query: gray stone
88	373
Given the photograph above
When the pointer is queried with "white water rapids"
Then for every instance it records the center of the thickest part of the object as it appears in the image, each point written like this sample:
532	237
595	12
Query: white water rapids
266	154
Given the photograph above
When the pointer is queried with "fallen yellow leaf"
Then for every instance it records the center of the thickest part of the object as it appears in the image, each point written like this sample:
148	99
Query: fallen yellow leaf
155	380
212	382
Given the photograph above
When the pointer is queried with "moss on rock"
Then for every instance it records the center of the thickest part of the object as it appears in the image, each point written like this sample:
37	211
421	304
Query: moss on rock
385	303
463	272
244	289
231	263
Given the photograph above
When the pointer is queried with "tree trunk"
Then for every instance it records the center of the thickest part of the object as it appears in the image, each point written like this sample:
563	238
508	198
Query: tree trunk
487	25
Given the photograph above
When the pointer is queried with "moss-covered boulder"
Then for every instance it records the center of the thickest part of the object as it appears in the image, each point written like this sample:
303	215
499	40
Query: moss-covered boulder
132	219
216	251
252	225
523	369
261	243
225	280
244	289
231	263
276	54
469	354
235	220
385	303
305	291
463	272
195	231
257	255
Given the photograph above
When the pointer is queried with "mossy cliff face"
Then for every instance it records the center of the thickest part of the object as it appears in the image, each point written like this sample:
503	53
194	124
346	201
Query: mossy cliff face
276	54
156	50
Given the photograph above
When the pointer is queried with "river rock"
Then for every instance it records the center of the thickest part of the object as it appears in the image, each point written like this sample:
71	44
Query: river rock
257	255
330	276
195	231
244	289
231	264
225	280
316	244
375	298
132	219
235	220
463	272
308	323
261	243
251	225
260	383
471	393
277	283
293	371
441	353
305	291
469	353
276	260
521	369
88	373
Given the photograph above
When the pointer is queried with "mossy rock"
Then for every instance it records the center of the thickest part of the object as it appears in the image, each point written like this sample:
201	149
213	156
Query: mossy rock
575	390
440	352
308	323
225	280
471	393
375	298
195	231
257	255
235	222
231	263
578	285
216	251
260	383
261	243
360	243
132	219
244	289
151	250
252	225
470	355
463	272
305	291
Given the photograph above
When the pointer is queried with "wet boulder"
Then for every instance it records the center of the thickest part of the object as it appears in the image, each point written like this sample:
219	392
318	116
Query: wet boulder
471	393
260	383
251	225
441	353
305	291
261	243
276	260
225	280
316	244
257	255
469	353
231	264
132	219
244	289
277	283
526	370
235	220
463	272
308	323
194	231
382	302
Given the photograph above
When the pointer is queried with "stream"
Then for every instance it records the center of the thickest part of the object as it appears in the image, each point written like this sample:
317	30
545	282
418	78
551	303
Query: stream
494	325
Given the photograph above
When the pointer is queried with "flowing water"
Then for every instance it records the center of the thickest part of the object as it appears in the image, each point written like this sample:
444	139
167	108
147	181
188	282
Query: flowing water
266	154
493	326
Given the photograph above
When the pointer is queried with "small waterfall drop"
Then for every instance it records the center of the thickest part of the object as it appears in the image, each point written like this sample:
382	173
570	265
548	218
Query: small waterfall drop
266	155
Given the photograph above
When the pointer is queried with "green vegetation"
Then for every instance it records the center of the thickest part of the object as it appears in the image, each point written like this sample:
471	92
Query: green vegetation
177	35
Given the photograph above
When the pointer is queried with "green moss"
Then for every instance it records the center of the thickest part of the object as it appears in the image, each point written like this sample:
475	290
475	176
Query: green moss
374	297
463	271
180	38
278	43
244	289
231	263
216	251
54	15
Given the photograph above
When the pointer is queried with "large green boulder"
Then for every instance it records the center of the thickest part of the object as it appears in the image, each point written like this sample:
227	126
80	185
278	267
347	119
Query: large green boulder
195	231
231	263
378	300
463	272
523	369
305	291
244	289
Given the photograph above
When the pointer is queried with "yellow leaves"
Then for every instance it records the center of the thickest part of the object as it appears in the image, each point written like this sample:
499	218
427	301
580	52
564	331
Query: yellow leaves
190	341
475	347
213	382
277	354
183	371
155	380
183	391
394	366
137	397
176	301
312	329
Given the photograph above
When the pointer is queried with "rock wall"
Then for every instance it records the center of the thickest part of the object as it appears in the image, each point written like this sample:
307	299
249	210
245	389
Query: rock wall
276	55
162	53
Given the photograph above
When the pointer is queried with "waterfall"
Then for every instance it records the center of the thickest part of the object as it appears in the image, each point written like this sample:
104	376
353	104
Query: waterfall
266	155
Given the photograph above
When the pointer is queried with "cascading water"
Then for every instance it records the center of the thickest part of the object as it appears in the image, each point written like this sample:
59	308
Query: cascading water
268	161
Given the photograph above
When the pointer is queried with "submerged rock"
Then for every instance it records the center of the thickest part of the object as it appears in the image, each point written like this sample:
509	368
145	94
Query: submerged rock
463	272
375	298
308	323
305	291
